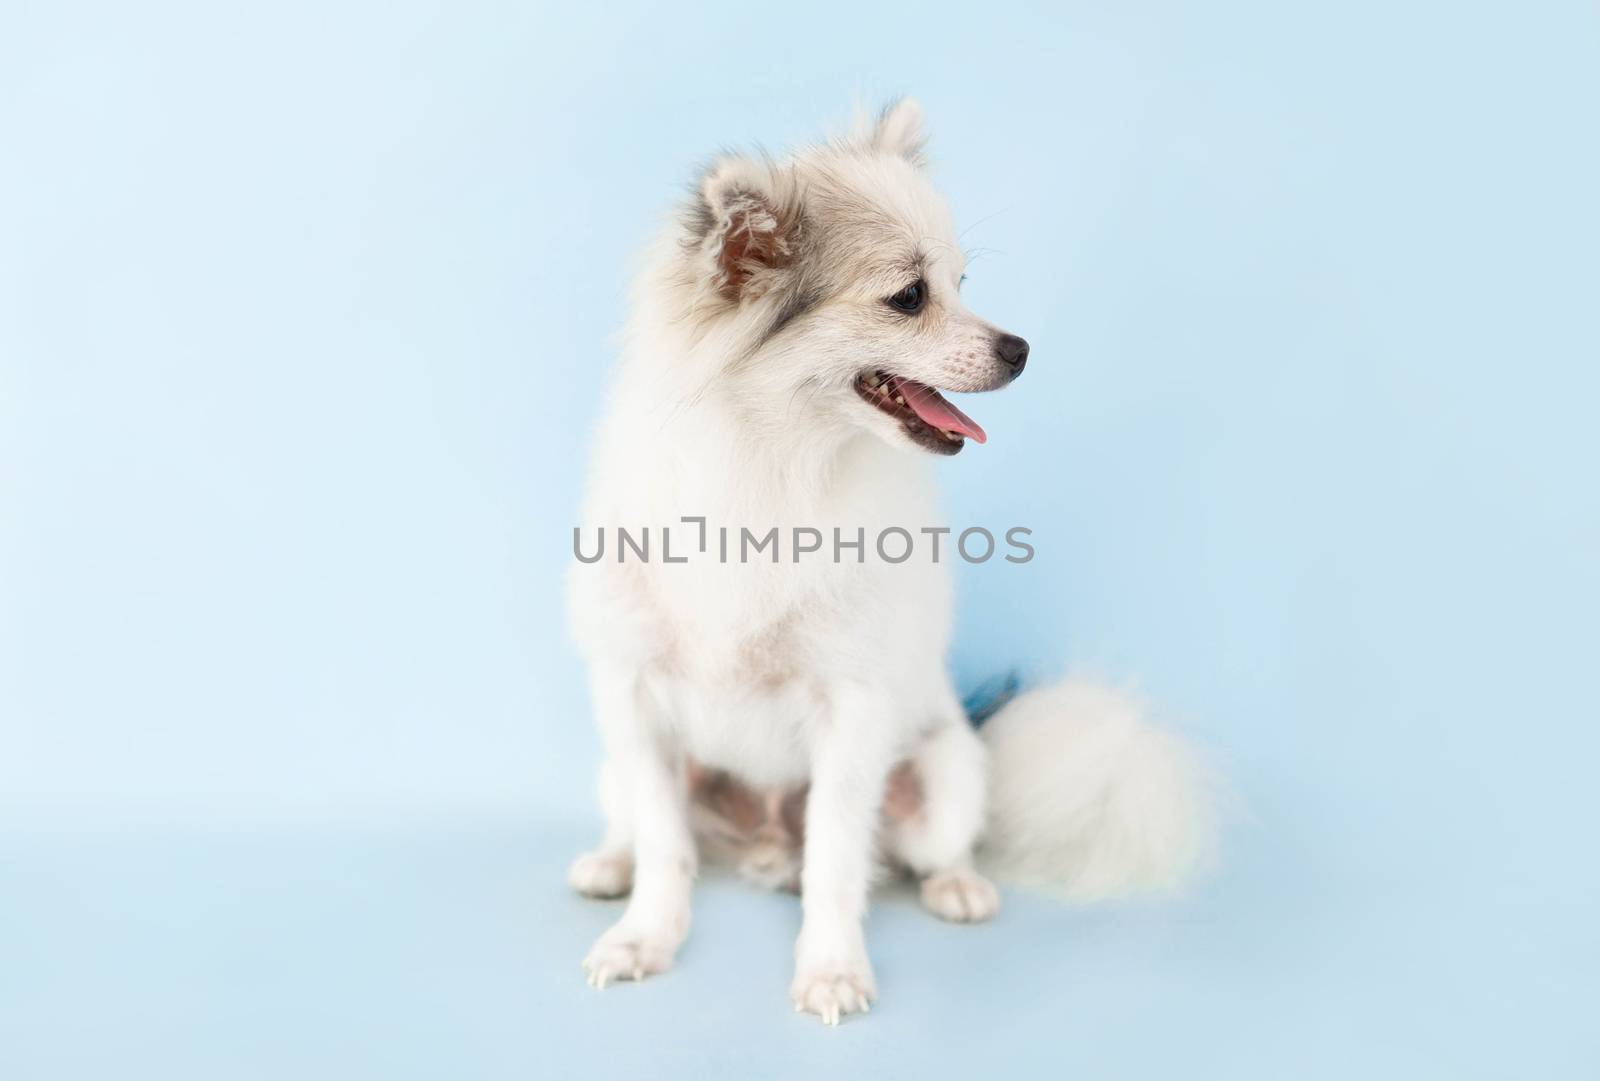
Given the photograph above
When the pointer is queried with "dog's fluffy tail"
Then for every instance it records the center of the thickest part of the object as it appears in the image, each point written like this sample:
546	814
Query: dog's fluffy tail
1088	799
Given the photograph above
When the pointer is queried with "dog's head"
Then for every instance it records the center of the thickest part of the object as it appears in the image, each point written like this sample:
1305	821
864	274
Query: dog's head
834	277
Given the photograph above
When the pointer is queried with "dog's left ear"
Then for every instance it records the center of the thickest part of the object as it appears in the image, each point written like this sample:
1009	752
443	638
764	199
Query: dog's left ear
898	130
749	214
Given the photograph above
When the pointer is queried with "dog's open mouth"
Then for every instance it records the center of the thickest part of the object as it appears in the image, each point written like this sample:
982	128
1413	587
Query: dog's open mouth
930	421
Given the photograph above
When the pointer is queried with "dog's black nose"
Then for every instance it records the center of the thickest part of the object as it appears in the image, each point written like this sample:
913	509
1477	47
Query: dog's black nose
1013	350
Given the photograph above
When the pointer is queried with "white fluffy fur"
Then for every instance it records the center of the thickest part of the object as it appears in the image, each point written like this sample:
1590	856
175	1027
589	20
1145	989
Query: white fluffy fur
753	318
1090	800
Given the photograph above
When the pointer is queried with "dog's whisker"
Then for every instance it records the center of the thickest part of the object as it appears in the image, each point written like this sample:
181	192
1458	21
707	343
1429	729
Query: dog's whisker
986	218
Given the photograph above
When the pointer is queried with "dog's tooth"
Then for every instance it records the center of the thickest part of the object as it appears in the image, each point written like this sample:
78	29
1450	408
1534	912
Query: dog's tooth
899	400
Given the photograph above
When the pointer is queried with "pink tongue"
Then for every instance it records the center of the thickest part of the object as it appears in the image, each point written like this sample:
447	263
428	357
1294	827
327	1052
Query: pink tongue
933	409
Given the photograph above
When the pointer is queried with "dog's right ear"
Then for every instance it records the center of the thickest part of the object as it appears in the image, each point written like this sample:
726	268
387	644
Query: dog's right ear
749	220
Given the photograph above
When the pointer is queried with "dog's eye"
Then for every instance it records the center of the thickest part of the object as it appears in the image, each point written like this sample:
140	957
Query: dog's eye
910	298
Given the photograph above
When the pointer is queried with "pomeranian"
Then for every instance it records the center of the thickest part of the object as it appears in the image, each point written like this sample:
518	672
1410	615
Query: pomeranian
770	681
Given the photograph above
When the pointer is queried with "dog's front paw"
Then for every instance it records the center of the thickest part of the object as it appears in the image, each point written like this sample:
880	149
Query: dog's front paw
961	896
834	991
601	874
624	953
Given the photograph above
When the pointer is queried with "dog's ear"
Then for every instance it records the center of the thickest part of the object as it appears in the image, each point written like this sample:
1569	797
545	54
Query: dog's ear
749	218
898	130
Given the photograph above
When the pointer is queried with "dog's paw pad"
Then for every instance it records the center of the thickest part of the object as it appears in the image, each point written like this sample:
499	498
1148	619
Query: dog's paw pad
601	874
962	896
623	955
833	994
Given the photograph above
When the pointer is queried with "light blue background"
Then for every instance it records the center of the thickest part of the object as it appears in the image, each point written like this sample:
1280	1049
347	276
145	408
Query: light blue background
304	314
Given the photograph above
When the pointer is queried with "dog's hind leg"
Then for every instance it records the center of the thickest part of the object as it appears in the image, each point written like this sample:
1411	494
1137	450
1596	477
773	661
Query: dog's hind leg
933	815
607	871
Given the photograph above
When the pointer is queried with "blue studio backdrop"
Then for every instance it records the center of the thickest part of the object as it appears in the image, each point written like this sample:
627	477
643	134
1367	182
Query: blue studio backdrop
305	311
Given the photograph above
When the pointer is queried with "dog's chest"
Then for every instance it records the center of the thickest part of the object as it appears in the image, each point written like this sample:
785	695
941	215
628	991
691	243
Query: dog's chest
747	706
760	734
744	675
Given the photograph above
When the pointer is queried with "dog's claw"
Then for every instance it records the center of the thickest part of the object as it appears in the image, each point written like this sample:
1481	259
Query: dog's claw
623	954
832	995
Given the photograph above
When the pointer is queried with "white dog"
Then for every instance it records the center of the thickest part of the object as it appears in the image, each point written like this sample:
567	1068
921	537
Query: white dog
779	371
